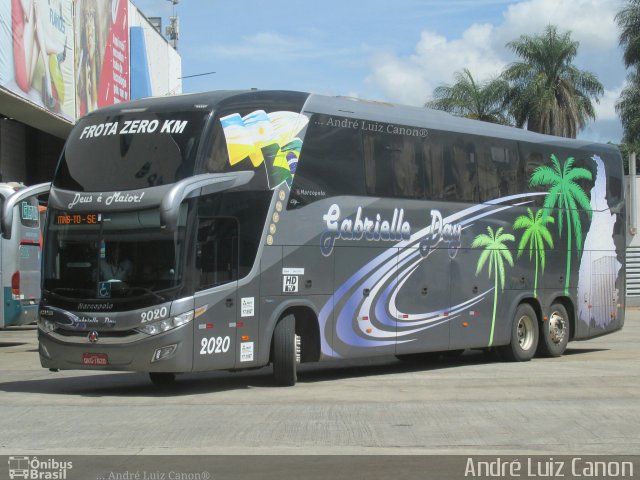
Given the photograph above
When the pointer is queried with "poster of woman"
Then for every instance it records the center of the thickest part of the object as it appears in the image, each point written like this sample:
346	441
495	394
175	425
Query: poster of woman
39	64
101	53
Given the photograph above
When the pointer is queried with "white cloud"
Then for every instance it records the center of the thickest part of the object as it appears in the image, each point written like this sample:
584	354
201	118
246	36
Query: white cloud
481	48
591	22
412	79
606	109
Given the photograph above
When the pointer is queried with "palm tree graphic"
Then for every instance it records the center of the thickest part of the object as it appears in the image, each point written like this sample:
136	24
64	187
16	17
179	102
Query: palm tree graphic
496	252
567	196
535	235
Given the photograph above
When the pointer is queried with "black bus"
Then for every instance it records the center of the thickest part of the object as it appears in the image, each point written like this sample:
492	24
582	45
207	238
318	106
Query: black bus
233	229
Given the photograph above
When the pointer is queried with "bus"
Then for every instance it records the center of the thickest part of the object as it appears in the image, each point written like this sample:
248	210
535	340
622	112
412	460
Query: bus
231	230
20	253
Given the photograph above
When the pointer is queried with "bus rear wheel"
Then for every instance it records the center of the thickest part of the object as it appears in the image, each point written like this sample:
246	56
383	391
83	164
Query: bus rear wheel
162	378
524	335
554	334
285	353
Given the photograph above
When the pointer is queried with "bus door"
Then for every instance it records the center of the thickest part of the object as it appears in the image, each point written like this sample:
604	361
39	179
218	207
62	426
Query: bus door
216	299
29	250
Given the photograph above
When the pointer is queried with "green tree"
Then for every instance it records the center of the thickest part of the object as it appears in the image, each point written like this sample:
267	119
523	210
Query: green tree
548	93
567	196
628	19
535	235
471	99
625	150
628	106
496	252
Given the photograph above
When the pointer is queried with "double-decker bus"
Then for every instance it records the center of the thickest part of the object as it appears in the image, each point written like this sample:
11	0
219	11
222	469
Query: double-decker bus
20	253
234	229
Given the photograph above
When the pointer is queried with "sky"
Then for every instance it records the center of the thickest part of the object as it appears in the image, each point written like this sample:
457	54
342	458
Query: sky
388	50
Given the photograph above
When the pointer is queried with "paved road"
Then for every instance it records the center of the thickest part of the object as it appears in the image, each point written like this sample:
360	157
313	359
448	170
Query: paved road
587	402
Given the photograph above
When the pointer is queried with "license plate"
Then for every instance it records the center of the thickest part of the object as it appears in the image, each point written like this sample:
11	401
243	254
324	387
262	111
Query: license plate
95	359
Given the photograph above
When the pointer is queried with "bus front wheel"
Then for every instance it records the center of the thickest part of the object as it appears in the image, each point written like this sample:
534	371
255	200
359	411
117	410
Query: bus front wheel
554	334
524	335
284	352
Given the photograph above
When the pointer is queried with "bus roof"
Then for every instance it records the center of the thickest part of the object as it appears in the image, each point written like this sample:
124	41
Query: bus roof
433	119
352	108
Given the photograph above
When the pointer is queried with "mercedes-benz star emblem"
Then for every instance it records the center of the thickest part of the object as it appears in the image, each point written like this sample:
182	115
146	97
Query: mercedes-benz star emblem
93	337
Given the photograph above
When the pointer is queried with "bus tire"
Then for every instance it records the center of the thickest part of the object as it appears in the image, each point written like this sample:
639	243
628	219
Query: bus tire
554	332
524	335
284	352
162	378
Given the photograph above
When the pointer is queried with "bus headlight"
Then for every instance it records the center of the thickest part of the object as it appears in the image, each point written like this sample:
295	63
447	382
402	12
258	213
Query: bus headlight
46	325
166	324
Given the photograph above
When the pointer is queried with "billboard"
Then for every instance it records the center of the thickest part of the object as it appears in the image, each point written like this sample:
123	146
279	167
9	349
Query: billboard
101	53
38	63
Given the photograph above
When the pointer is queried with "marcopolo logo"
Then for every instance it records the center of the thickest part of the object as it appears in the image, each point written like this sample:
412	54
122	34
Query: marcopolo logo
33	468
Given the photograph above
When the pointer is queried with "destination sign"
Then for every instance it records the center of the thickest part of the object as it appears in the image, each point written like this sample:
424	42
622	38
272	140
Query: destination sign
78	219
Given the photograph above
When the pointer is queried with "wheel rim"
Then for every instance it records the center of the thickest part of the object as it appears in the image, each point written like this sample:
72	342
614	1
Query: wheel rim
557	327
525	332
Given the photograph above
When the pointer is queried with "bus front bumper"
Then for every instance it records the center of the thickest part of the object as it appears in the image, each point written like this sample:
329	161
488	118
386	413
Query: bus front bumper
171	351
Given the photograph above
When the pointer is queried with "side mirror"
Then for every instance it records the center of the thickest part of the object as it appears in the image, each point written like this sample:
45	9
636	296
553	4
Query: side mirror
203	184
14	199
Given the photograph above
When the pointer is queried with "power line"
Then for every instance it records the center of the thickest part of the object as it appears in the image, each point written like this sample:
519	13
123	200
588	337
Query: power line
197	75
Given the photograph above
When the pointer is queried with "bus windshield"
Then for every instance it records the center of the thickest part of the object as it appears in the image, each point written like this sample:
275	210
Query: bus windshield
124	257
132	151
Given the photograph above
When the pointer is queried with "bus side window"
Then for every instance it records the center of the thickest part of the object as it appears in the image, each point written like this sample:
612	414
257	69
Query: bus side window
499	171
392	168
330	162
377	165
462	175
407	171
433	161
453	167
218	157
450	168
532	160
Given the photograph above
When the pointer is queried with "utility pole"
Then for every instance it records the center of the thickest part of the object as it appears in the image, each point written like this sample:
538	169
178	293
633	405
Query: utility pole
173	29
633	228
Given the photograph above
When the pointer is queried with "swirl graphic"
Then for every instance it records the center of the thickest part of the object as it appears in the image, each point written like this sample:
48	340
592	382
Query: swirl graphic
374	320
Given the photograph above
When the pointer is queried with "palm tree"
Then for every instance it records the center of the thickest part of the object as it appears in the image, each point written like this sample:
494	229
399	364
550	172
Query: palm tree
470	99
548	93
567	196
535	235
496	252
628	19
628	108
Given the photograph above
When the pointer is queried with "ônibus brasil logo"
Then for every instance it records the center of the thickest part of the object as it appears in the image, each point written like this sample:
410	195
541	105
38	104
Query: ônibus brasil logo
33	468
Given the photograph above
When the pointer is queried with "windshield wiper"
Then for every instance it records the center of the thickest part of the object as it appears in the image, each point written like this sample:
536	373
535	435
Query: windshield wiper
79	292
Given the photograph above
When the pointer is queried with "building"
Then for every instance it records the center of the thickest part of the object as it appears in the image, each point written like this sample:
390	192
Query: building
60	59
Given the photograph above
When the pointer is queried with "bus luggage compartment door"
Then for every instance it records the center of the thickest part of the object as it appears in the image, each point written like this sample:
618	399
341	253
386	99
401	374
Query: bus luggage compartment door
423	301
